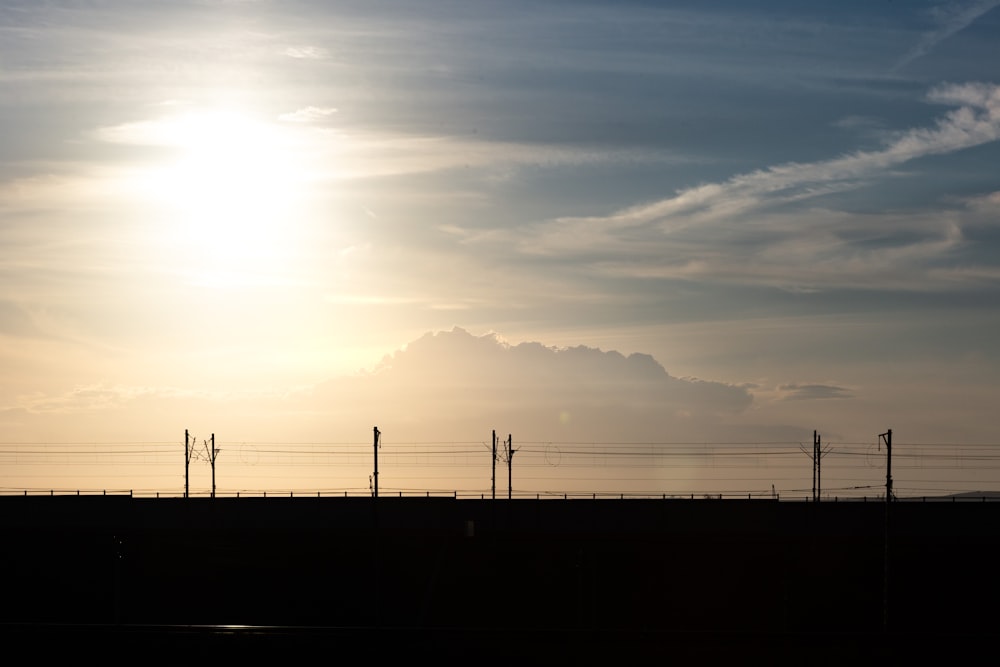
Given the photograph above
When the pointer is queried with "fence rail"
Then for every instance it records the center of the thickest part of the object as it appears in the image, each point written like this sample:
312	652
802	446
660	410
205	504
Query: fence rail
456	495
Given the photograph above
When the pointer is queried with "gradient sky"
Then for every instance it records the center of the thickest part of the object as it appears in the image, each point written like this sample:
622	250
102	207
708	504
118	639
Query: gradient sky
214	215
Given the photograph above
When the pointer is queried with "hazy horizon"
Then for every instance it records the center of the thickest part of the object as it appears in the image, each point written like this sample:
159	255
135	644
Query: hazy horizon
595	222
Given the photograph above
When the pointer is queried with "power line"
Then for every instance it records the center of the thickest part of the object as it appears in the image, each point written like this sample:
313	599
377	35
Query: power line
757	462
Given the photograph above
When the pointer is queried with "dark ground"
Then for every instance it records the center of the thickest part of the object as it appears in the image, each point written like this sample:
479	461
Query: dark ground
699	581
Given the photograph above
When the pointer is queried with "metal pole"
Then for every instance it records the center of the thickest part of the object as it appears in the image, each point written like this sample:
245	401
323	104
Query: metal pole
888	467
887	437
815	455
213	465
510	466
493	477
376	433
819	472
187	465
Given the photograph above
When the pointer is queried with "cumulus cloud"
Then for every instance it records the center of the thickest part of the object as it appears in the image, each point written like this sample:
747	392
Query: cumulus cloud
454	382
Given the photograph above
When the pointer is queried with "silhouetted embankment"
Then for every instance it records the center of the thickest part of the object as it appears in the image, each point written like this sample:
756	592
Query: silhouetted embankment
643	574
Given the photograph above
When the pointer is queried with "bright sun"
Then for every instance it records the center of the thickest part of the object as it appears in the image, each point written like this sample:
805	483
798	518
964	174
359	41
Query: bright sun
232	190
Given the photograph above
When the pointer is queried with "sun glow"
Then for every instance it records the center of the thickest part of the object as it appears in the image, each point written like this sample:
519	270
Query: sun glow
232	193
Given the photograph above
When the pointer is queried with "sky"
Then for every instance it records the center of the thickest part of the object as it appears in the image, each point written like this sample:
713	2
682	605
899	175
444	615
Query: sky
685	227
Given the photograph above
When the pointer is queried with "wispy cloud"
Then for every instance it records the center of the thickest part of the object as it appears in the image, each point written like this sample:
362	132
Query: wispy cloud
307	114
306	52
88	398
950	18
976	122
855	121
800	392
763	226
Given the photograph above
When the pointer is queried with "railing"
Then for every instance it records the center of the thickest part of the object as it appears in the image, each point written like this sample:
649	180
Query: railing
469	495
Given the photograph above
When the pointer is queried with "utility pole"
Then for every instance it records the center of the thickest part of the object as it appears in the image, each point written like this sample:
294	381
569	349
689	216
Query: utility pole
815	457
887	438
376	533
187	464
377	436
493	476
509	445
214	452
819	458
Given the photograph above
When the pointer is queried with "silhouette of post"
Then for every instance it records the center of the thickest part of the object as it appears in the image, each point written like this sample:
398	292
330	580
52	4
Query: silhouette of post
376	434
376	532
510	466
187	464
887	438
213	453
815	456
819	458
493	475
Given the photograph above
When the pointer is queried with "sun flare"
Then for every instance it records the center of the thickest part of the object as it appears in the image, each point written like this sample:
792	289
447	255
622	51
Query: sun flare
232	190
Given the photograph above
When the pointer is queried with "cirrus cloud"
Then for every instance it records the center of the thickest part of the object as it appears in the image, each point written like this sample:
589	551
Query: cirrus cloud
779	226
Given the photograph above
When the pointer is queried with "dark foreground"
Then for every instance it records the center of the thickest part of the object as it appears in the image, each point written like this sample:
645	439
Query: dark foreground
303	645
697	581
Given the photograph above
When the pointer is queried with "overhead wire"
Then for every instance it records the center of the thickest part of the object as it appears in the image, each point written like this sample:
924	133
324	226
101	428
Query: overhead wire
776	458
